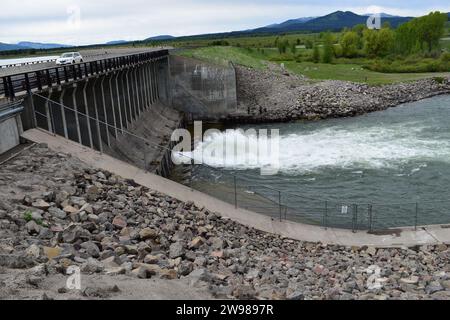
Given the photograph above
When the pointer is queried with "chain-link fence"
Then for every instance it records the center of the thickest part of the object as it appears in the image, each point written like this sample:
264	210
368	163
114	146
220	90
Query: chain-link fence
237	188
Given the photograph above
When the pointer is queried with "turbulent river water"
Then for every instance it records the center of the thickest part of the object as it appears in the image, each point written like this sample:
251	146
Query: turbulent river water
384	169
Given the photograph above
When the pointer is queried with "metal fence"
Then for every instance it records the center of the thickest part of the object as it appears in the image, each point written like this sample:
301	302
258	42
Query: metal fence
240	190
12	85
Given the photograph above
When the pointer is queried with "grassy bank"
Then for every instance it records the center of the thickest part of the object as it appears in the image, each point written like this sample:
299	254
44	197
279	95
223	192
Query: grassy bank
238	56
342	69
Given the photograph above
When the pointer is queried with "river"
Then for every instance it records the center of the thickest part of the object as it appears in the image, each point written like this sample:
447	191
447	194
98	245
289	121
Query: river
380	170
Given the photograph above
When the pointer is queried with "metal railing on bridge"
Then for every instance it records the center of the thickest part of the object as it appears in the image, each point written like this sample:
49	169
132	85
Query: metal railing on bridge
23	83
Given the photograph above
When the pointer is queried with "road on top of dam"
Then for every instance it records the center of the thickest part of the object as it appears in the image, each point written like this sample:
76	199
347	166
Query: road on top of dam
88	56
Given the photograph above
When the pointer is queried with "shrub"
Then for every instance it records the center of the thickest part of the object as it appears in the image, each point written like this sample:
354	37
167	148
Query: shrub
439	80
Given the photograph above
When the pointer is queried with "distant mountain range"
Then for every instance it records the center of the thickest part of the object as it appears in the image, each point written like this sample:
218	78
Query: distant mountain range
37	45
335	21
115	42
290	22
24	45
162	37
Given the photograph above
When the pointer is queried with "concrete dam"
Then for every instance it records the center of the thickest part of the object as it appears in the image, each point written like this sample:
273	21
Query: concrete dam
124	105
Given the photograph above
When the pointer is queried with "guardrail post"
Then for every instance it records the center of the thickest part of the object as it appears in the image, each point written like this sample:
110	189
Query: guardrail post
38	80
58	77
49	78
66	75
5	86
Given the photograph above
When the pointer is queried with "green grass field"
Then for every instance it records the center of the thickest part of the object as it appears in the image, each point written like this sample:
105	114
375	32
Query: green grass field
344	69
220	54
354	73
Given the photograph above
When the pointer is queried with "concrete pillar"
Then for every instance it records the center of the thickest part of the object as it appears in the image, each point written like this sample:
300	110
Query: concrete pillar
97	121
102	86
150	82
119	107
158	80
49	114
123	85
137	91
29	119
113	111
144	75
133	94
75	108
63	113
141	92
130	104
155	81
88	118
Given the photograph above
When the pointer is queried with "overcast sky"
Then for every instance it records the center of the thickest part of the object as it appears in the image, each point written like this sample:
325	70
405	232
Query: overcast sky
80	22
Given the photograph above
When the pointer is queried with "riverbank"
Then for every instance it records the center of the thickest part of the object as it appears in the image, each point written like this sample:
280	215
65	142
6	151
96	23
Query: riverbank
57	212
275	95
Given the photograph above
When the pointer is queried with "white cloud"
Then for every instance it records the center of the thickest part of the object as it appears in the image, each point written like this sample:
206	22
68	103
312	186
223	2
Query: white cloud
105	20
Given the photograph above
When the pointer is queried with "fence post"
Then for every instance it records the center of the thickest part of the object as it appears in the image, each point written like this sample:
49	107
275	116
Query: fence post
52	120
279	203
325	217
369	210
355	217
235	192
416	220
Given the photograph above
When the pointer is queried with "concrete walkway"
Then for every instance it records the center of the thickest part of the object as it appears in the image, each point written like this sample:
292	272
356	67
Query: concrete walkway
406	238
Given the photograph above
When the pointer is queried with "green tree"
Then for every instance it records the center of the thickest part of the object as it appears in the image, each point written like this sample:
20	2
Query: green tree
378	43
350	43
420	34
328	52
316	54
293	48
432	28
309	44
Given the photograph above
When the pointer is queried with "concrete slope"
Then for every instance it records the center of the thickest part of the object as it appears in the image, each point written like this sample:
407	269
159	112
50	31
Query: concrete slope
399	238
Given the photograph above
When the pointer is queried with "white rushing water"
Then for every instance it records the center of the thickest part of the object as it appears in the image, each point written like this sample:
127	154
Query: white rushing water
336	146
401	155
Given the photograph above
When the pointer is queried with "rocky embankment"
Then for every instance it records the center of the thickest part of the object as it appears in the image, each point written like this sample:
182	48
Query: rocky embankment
274	95
56	213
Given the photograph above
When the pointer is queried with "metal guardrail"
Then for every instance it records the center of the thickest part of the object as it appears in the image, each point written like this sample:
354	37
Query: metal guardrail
10	109
13	85
25	63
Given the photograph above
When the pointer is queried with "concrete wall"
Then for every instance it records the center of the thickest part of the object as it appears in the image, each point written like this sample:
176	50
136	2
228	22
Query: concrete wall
10	130
205	91
124	113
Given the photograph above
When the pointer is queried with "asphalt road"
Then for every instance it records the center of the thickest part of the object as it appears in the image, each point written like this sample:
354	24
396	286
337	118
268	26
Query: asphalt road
88	55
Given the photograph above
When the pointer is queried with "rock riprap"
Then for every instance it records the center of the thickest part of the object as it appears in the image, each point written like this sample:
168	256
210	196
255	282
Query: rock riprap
56	213
271	95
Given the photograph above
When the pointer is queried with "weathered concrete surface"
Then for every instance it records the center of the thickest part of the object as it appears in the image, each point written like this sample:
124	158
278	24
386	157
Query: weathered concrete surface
399	238
205	91
9	134
156	126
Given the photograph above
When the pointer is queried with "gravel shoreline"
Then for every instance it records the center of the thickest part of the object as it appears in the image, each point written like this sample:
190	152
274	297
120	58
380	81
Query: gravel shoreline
55	213
278	96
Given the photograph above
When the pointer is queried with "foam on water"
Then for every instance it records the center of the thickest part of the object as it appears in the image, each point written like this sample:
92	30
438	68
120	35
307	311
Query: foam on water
349	147
400	155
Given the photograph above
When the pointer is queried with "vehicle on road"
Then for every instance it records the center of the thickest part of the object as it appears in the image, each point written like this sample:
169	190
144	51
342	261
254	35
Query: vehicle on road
69	58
